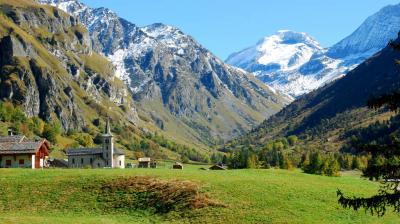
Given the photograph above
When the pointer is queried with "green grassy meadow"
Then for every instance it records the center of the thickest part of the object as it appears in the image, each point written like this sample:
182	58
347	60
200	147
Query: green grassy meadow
249	196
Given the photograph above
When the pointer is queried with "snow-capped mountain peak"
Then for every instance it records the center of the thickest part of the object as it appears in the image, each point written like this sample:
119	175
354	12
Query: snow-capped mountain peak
296	64
284	50
289	61
71	6
373	35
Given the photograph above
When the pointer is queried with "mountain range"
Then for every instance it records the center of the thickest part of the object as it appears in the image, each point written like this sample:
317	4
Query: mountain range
175	82
76	64
326	117
295	63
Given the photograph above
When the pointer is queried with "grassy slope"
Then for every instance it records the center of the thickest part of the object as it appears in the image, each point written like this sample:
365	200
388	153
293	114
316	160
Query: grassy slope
251	196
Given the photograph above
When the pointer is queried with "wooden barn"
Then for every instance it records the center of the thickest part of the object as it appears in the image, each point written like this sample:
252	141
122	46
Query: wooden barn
16	151
147	162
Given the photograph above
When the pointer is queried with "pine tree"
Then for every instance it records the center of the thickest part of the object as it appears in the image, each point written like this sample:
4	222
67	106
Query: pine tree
384	165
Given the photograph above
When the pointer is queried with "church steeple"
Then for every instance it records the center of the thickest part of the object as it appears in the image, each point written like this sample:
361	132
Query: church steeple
108	145
107	130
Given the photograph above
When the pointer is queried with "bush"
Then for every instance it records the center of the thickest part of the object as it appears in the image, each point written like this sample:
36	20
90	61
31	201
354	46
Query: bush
36	125
84	139
51	131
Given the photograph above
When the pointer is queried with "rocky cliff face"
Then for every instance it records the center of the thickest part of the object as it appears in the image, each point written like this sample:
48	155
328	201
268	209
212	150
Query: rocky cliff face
49	67
178	83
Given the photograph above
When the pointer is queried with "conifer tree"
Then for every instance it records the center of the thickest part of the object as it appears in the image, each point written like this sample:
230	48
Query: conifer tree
384	165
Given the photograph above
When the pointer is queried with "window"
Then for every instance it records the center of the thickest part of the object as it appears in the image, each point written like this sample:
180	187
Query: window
106	141
82	160
91	160
8	162
21	162
98	164
106	155
73	160
120	163
107	163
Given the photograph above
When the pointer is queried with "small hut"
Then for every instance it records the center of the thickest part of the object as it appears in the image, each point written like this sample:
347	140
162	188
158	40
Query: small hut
218	167
177	166
147	162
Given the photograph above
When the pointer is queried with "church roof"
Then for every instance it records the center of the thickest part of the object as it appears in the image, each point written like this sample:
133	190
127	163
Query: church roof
90	151
83	151
118	152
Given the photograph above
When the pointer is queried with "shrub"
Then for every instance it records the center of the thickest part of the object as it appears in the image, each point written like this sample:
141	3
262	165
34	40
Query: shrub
51	131
84	139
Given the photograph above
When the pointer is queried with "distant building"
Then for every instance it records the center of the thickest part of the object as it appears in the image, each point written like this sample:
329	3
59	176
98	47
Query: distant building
106	156
18	151
147	162
177	166
218	167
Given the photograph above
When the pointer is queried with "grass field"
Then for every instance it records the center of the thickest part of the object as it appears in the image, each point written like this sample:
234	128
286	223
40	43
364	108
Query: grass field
249	196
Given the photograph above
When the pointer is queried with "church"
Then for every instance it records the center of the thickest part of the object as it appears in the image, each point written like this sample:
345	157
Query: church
104	156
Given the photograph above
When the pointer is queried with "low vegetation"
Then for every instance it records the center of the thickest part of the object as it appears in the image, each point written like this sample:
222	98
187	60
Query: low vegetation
148	193
248	195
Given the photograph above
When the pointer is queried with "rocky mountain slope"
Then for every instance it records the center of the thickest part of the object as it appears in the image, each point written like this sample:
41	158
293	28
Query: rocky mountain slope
48	67
177	83
372	36
49	70
325	116
306	66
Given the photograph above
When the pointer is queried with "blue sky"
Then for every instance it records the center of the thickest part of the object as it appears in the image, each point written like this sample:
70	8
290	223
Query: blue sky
226	26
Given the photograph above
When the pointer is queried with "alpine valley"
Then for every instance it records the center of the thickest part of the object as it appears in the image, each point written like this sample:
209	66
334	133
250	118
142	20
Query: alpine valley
104	121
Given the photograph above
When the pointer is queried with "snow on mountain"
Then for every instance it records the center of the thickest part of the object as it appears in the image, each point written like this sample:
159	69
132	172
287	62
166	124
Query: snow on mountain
295	63
284	50
373	35
292	62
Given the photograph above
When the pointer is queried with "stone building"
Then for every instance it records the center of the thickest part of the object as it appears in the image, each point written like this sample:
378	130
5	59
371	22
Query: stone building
16	151
106	156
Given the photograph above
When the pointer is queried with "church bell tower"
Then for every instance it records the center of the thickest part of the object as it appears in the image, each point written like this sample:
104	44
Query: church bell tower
108	146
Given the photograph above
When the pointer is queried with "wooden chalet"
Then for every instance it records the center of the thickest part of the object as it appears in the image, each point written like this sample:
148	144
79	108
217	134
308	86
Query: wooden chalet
16	151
